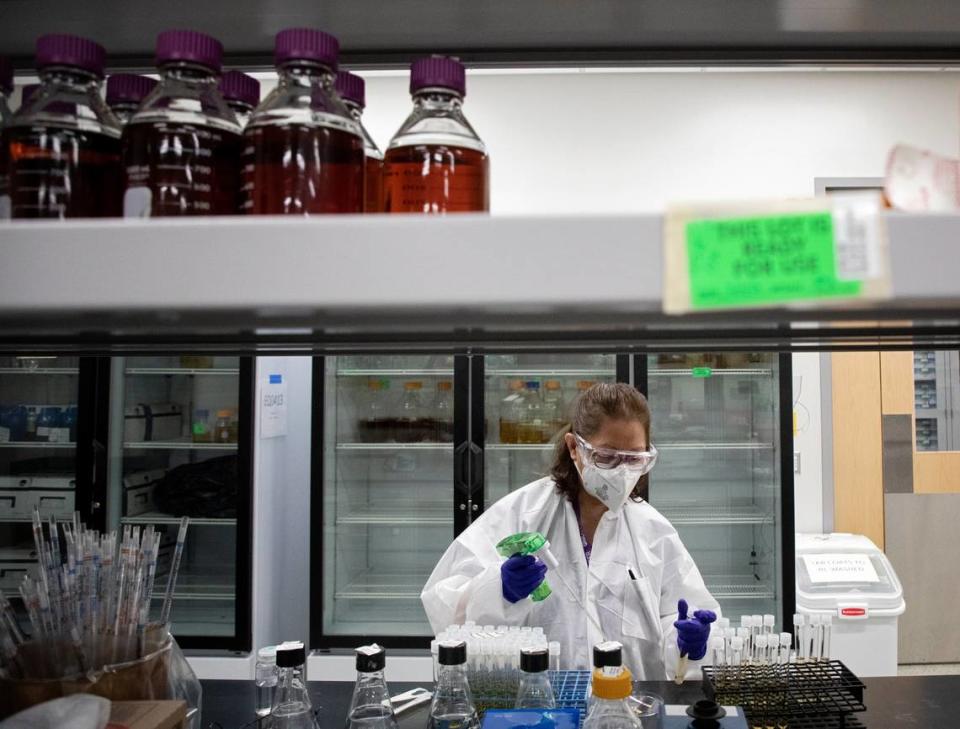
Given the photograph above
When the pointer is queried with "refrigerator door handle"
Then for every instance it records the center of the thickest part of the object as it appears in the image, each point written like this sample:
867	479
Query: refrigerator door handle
461	469
476	469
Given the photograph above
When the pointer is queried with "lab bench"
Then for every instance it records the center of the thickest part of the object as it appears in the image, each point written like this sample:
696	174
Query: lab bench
931	702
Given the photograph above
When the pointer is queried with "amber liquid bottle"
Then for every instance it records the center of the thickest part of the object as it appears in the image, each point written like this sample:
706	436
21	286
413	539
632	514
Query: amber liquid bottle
352	90
181	150
436	163
303	152
63	145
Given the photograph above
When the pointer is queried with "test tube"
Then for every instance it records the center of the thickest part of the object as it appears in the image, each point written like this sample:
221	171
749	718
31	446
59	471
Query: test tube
768	624
760	650
554	649
786	641
719	659
815	637
723	623
743	633
827	622
735	658
800	631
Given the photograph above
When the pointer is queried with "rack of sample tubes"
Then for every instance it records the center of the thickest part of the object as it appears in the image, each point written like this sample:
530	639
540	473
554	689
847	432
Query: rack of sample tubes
782	680
493	659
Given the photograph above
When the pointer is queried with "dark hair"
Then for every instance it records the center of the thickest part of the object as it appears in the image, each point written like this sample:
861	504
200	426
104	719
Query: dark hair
603	401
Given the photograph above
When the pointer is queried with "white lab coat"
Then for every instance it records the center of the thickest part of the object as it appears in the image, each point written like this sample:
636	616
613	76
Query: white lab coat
465	584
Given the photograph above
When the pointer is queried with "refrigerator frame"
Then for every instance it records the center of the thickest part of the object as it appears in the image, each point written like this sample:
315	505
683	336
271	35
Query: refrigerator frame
468	479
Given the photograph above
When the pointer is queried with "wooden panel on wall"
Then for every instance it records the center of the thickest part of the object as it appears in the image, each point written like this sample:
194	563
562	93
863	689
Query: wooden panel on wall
896	370
857	444
936	472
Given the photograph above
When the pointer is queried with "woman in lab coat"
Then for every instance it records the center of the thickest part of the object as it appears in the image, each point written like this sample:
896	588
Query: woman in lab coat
622	570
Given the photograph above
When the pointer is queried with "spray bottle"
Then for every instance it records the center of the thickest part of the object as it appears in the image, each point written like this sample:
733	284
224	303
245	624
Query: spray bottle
533	543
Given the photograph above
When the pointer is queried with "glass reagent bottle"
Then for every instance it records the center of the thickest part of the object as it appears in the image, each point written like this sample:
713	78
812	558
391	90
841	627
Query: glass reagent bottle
352	90
266	678
63	145
452	706
436	163
535	690
370	707
610	709
181	149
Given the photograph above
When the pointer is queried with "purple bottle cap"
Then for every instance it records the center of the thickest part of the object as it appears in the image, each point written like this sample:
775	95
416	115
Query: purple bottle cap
351	88
306	44
191	47
236	86
6	75
58	49
27	92
128	88
438	72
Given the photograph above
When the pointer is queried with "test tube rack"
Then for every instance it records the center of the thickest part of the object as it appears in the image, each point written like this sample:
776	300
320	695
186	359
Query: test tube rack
804	695
569	687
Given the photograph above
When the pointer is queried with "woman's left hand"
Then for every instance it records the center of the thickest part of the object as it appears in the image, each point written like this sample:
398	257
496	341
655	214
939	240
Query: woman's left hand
692	633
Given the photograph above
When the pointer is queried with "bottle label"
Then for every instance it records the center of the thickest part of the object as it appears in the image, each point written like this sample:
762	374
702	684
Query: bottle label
43	431
58	435
136	202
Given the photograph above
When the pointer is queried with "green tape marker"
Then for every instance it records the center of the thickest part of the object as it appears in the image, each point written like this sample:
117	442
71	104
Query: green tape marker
770	259
701	372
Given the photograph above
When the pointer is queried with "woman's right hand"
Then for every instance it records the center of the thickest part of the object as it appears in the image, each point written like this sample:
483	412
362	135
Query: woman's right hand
521	574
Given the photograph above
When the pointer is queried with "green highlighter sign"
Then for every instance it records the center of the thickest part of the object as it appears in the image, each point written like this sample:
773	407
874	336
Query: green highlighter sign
771	259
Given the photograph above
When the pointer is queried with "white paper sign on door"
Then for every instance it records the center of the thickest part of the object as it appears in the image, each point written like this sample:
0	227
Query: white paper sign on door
273	407
827	568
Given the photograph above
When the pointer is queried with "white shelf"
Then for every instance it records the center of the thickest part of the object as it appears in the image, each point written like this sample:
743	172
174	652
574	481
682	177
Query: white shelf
39	371
733	446
551	372
158	518
178	445
38	444
394	446
399	515
200	588
375	372
82	281
374	585
714	372
738	587
170	371
713	514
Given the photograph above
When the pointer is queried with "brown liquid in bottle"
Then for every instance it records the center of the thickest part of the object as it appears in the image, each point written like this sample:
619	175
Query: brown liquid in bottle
187	169
63	173
297	170
373	184
435	178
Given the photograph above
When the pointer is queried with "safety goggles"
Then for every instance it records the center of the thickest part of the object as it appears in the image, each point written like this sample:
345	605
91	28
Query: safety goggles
607	458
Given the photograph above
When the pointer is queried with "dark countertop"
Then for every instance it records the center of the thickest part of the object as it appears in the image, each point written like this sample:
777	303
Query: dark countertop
925	702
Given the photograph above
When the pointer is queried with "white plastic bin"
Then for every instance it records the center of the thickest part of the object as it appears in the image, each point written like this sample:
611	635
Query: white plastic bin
848	577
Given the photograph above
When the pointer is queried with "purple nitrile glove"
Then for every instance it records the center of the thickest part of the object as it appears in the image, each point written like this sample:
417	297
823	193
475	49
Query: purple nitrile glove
692	633
521	575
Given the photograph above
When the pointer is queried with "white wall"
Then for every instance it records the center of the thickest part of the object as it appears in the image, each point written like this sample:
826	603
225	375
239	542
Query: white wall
808	444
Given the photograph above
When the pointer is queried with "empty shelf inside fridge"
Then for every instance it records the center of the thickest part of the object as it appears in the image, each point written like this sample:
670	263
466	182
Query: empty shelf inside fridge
738	587
381	585
31	444
213	371
683	513
184	444
526	372
397	514
395	446
198	587
395	372
39	371
155	517
668	446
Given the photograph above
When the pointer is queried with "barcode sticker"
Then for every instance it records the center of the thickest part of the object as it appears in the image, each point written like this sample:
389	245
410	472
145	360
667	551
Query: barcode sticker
856	232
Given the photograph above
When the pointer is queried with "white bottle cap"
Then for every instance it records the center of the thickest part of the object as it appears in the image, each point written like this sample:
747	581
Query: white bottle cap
729	633
723	623
760	641
786	640
745	621
768	621
716	644
737	643
799	619
267	653
827	619
815	619
743	632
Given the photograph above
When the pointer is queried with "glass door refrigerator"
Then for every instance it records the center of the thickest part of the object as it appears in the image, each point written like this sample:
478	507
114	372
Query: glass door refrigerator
180	444
413	448
48	459
724	426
